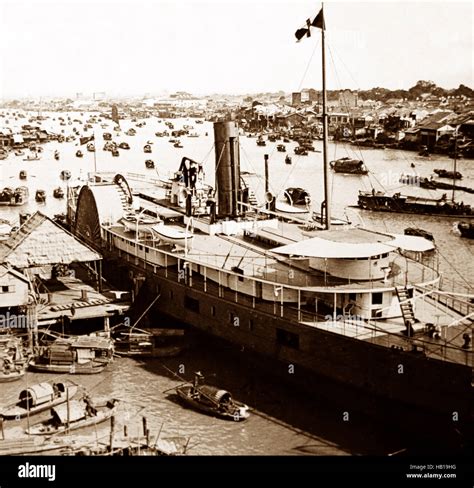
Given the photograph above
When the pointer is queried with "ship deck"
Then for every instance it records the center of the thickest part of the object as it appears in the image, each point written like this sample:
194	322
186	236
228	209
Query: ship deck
391	332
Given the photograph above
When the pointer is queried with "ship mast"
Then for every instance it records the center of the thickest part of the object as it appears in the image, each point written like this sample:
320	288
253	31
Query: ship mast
455	161
326	203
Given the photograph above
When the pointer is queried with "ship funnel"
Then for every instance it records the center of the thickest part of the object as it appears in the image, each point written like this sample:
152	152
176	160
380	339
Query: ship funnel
226	136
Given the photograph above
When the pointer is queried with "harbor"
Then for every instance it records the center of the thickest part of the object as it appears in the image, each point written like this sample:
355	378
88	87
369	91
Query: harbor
206	279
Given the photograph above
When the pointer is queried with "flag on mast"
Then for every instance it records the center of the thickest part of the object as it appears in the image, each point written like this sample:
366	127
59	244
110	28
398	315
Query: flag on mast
306	31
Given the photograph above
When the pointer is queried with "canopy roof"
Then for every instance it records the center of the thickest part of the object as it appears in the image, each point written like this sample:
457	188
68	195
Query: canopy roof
353	244
76	408
40	242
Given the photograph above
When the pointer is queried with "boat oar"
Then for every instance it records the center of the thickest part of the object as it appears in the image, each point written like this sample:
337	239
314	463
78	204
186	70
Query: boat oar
174	387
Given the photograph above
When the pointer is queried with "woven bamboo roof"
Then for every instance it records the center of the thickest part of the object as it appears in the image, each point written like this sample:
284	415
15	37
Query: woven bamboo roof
40	242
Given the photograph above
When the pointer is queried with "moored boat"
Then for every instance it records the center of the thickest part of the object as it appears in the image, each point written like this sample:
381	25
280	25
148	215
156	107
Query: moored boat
398	203
466	229
39	397
452	175
149	343
75	355
74	415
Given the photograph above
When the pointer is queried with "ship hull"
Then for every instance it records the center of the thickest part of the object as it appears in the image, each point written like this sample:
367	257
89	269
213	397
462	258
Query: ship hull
404	380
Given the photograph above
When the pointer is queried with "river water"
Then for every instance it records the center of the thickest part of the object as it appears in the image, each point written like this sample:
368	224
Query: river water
283	421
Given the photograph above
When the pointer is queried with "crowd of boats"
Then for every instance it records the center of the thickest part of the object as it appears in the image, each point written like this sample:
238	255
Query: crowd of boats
62	406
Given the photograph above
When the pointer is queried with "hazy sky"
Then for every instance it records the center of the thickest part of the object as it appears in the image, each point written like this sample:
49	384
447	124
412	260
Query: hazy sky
137	46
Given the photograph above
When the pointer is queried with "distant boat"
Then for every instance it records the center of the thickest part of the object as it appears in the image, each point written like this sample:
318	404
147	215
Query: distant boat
415	231
58	192
31	157
79	154
19	152
56	155
348	166
466	229
149	164
297	196
281	148
90	147
115	153
22	175
40	196
65	175
301	151
453	175
73	415
147	148
212	400
39	397
288	159
178	144
124	145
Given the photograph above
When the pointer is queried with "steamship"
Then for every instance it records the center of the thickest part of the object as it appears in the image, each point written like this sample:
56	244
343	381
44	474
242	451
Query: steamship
361	308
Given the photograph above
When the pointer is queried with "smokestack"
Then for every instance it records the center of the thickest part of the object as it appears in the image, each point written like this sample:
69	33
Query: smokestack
226	136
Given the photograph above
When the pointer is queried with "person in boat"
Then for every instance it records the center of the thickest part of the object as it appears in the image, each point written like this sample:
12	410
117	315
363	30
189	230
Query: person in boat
90	409
198	380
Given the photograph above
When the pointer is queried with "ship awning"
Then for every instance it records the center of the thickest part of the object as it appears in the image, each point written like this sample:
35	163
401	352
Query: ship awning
355	243
322	248
412	243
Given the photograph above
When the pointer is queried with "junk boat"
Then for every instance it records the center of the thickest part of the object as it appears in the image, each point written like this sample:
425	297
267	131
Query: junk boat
58	192
39	397
75	355
212	400
14	198
452	175
349	166
65	175
40	196
398	203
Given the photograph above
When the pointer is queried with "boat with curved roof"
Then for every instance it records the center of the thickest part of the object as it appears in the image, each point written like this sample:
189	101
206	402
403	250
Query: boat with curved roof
37	398
212	400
